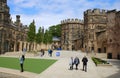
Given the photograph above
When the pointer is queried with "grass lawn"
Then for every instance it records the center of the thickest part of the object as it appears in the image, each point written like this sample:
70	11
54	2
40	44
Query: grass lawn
31	65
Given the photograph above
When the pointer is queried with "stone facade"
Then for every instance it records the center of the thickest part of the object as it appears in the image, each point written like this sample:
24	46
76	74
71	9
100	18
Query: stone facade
101	32
72	30
113	34
95	24
12	35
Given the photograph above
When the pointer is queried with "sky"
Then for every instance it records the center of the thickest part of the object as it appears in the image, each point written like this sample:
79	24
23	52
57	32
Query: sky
51	12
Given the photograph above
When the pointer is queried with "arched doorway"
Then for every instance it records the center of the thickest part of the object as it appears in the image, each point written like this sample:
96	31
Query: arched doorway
11	46
104	45
17	47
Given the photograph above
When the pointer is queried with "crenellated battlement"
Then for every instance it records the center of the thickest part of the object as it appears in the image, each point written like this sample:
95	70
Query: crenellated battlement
71	21
95	11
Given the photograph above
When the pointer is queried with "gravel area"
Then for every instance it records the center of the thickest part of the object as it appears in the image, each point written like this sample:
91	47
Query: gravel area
6	75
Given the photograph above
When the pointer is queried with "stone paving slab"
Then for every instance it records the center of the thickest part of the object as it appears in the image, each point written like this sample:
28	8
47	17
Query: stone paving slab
8	75
60	69
18	73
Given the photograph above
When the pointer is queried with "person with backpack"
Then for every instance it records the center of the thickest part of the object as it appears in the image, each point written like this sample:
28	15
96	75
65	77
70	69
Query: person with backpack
50	52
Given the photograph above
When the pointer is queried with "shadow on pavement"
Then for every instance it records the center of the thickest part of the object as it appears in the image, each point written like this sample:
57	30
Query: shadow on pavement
115	63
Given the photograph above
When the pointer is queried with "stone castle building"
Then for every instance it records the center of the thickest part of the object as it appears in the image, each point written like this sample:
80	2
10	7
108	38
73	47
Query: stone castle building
101	32
12	35
71	34
113	34
95	36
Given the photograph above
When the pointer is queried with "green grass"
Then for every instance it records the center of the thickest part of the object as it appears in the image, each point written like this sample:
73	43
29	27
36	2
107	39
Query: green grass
99	61
31	65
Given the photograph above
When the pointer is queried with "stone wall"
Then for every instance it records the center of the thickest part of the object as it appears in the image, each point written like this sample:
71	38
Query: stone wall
71	33
113	34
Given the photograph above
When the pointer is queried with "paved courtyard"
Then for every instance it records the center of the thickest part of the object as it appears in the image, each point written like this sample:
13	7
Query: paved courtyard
60	69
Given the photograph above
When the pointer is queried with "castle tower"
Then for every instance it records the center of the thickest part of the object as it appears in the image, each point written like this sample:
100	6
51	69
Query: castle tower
95	22
4	12
70	36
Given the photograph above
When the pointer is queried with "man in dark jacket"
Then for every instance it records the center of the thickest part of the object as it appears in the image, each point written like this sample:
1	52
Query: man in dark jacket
85	60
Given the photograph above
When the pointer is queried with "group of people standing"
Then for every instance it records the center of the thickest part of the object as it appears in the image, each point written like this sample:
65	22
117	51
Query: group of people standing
75	61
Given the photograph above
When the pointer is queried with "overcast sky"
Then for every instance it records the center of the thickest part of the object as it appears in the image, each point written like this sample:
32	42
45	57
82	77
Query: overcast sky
50	12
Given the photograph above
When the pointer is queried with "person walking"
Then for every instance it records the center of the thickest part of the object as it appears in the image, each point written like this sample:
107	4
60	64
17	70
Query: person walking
50	52
85	60
76	62
42	52
71	63
22	59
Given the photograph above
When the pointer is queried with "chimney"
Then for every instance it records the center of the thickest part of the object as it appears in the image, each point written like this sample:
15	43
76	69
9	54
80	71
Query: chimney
18	18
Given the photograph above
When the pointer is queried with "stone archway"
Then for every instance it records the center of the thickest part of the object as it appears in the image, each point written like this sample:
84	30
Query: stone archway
6	46
11	46
17	46
102	45
30	47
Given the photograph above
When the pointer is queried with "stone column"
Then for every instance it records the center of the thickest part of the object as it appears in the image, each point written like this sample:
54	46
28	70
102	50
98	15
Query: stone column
25	45
28	46
15	46
20	46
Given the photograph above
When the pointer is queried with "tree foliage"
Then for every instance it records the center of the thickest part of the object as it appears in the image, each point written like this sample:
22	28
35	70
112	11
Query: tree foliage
40	36
31	32
47	37
55	30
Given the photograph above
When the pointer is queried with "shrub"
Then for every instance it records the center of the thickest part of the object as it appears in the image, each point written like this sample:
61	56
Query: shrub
98	61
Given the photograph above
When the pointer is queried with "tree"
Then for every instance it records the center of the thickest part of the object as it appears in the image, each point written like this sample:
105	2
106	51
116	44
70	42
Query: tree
40	35
47	37
55	30
31	32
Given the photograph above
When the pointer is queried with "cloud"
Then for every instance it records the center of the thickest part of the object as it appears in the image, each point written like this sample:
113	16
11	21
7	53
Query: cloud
51	12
